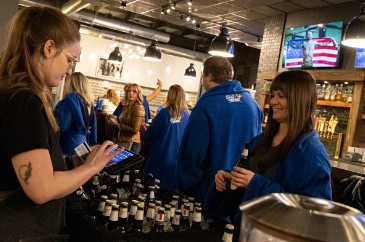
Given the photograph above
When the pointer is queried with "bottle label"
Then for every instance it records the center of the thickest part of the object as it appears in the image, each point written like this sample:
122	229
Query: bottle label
227	237
197	217
150	213
123	213
101	206
160	217
176	219
133	210
114	215
107	210
139	215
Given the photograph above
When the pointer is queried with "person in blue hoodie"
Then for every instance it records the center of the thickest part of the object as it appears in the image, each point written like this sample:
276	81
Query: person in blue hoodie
225	118
164	137
288	157
75	114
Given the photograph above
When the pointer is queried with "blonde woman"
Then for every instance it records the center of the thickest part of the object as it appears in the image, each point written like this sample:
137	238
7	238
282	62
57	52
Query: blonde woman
164	137
111	101
131	118
75	114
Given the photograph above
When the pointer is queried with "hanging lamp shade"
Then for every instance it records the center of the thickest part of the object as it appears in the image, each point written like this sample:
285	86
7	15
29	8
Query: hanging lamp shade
115	56
222	45
190	71
153	53
354	35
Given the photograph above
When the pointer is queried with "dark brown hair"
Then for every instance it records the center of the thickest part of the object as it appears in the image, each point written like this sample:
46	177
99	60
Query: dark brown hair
300	90
219	67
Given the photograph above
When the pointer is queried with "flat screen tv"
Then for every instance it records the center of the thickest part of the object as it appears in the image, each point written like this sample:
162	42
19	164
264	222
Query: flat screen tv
312	46
360	58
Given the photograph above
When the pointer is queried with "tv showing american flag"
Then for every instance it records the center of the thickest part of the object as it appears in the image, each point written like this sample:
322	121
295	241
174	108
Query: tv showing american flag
312	46
360	58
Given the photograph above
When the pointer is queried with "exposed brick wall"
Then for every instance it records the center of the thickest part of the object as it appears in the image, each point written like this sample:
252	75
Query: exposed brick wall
270	49
99	91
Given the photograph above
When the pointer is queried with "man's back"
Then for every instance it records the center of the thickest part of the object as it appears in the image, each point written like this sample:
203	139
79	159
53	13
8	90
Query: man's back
223	120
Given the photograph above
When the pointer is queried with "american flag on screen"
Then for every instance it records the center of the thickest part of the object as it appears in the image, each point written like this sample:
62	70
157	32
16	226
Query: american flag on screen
324	55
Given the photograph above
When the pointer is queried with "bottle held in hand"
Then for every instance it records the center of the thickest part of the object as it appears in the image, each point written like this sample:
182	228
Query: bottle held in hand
242	162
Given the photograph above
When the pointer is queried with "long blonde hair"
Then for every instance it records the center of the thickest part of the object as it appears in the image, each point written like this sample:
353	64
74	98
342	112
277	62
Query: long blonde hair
139	96
113	97
30	29
78	83
175	101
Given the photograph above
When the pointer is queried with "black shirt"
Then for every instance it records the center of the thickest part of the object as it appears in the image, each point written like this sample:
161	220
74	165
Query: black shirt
24	127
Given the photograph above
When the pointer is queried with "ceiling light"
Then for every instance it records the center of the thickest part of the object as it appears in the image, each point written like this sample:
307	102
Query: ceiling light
188	18
190	71
222	45
354	35
163	10
173	6
115	56
190	2
153	53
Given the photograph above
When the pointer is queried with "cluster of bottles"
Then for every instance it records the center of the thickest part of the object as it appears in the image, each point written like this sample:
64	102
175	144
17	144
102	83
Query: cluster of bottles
326	128
131	205
335	92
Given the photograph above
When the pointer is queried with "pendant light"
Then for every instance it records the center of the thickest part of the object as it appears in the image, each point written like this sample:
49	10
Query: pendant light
190	72
222	45
354	35
153	52
115	56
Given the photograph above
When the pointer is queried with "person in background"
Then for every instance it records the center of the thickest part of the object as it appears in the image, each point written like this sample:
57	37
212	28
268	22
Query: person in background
146	99
166	130
43	45
131	118
75	114
288	157
222	121
110	101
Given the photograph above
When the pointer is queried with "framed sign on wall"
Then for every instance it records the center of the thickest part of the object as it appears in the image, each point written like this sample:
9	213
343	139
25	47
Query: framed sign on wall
109	70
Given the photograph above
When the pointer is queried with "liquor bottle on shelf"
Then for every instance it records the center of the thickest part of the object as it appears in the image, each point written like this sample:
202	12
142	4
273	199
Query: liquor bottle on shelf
197	220
159	221
327	93
123	217
338	97
113	219
185	217
228	233
350	95
334	92
176	220
242	162
138	219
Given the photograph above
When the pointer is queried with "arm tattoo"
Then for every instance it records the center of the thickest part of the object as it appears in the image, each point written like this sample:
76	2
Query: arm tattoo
25	172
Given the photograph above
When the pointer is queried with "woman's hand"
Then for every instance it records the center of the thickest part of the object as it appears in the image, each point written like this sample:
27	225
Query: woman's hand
241	177
100	155
221	179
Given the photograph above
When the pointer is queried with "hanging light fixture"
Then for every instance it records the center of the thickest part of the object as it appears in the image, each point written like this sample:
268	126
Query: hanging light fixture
354	35
222	45
115	56
153	52
190	71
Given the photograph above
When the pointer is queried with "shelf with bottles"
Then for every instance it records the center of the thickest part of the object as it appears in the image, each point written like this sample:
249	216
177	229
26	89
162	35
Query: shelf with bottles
335	94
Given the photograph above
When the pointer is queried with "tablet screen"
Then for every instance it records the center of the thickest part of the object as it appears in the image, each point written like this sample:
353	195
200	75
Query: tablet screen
120	157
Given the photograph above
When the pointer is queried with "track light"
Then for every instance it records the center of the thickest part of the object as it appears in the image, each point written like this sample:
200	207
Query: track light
222	45
190	3
354	34
153	52
173	6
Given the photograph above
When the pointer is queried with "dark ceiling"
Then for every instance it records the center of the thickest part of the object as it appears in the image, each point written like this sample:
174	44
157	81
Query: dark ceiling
244	18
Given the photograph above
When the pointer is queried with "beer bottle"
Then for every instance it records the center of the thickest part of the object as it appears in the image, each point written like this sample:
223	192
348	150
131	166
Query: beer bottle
176	220
151	194
160	220
101	207
228	233
107	211
132	214
197	219
158	204
113	219
242	162
114	198
123	217
138	219
185	218
172	210
150	215
175	199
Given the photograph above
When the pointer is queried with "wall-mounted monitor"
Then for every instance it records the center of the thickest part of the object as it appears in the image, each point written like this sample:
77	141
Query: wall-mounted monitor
312	46
360	58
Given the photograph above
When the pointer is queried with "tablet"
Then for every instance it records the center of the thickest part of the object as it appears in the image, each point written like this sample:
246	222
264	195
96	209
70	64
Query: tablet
124	161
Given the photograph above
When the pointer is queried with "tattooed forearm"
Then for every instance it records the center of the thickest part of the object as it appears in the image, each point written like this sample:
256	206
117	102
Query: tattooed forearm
25	172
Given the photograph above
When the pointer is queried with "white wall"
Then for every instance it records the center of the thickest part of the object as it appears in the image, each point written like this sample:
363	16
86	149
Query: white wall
170	70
